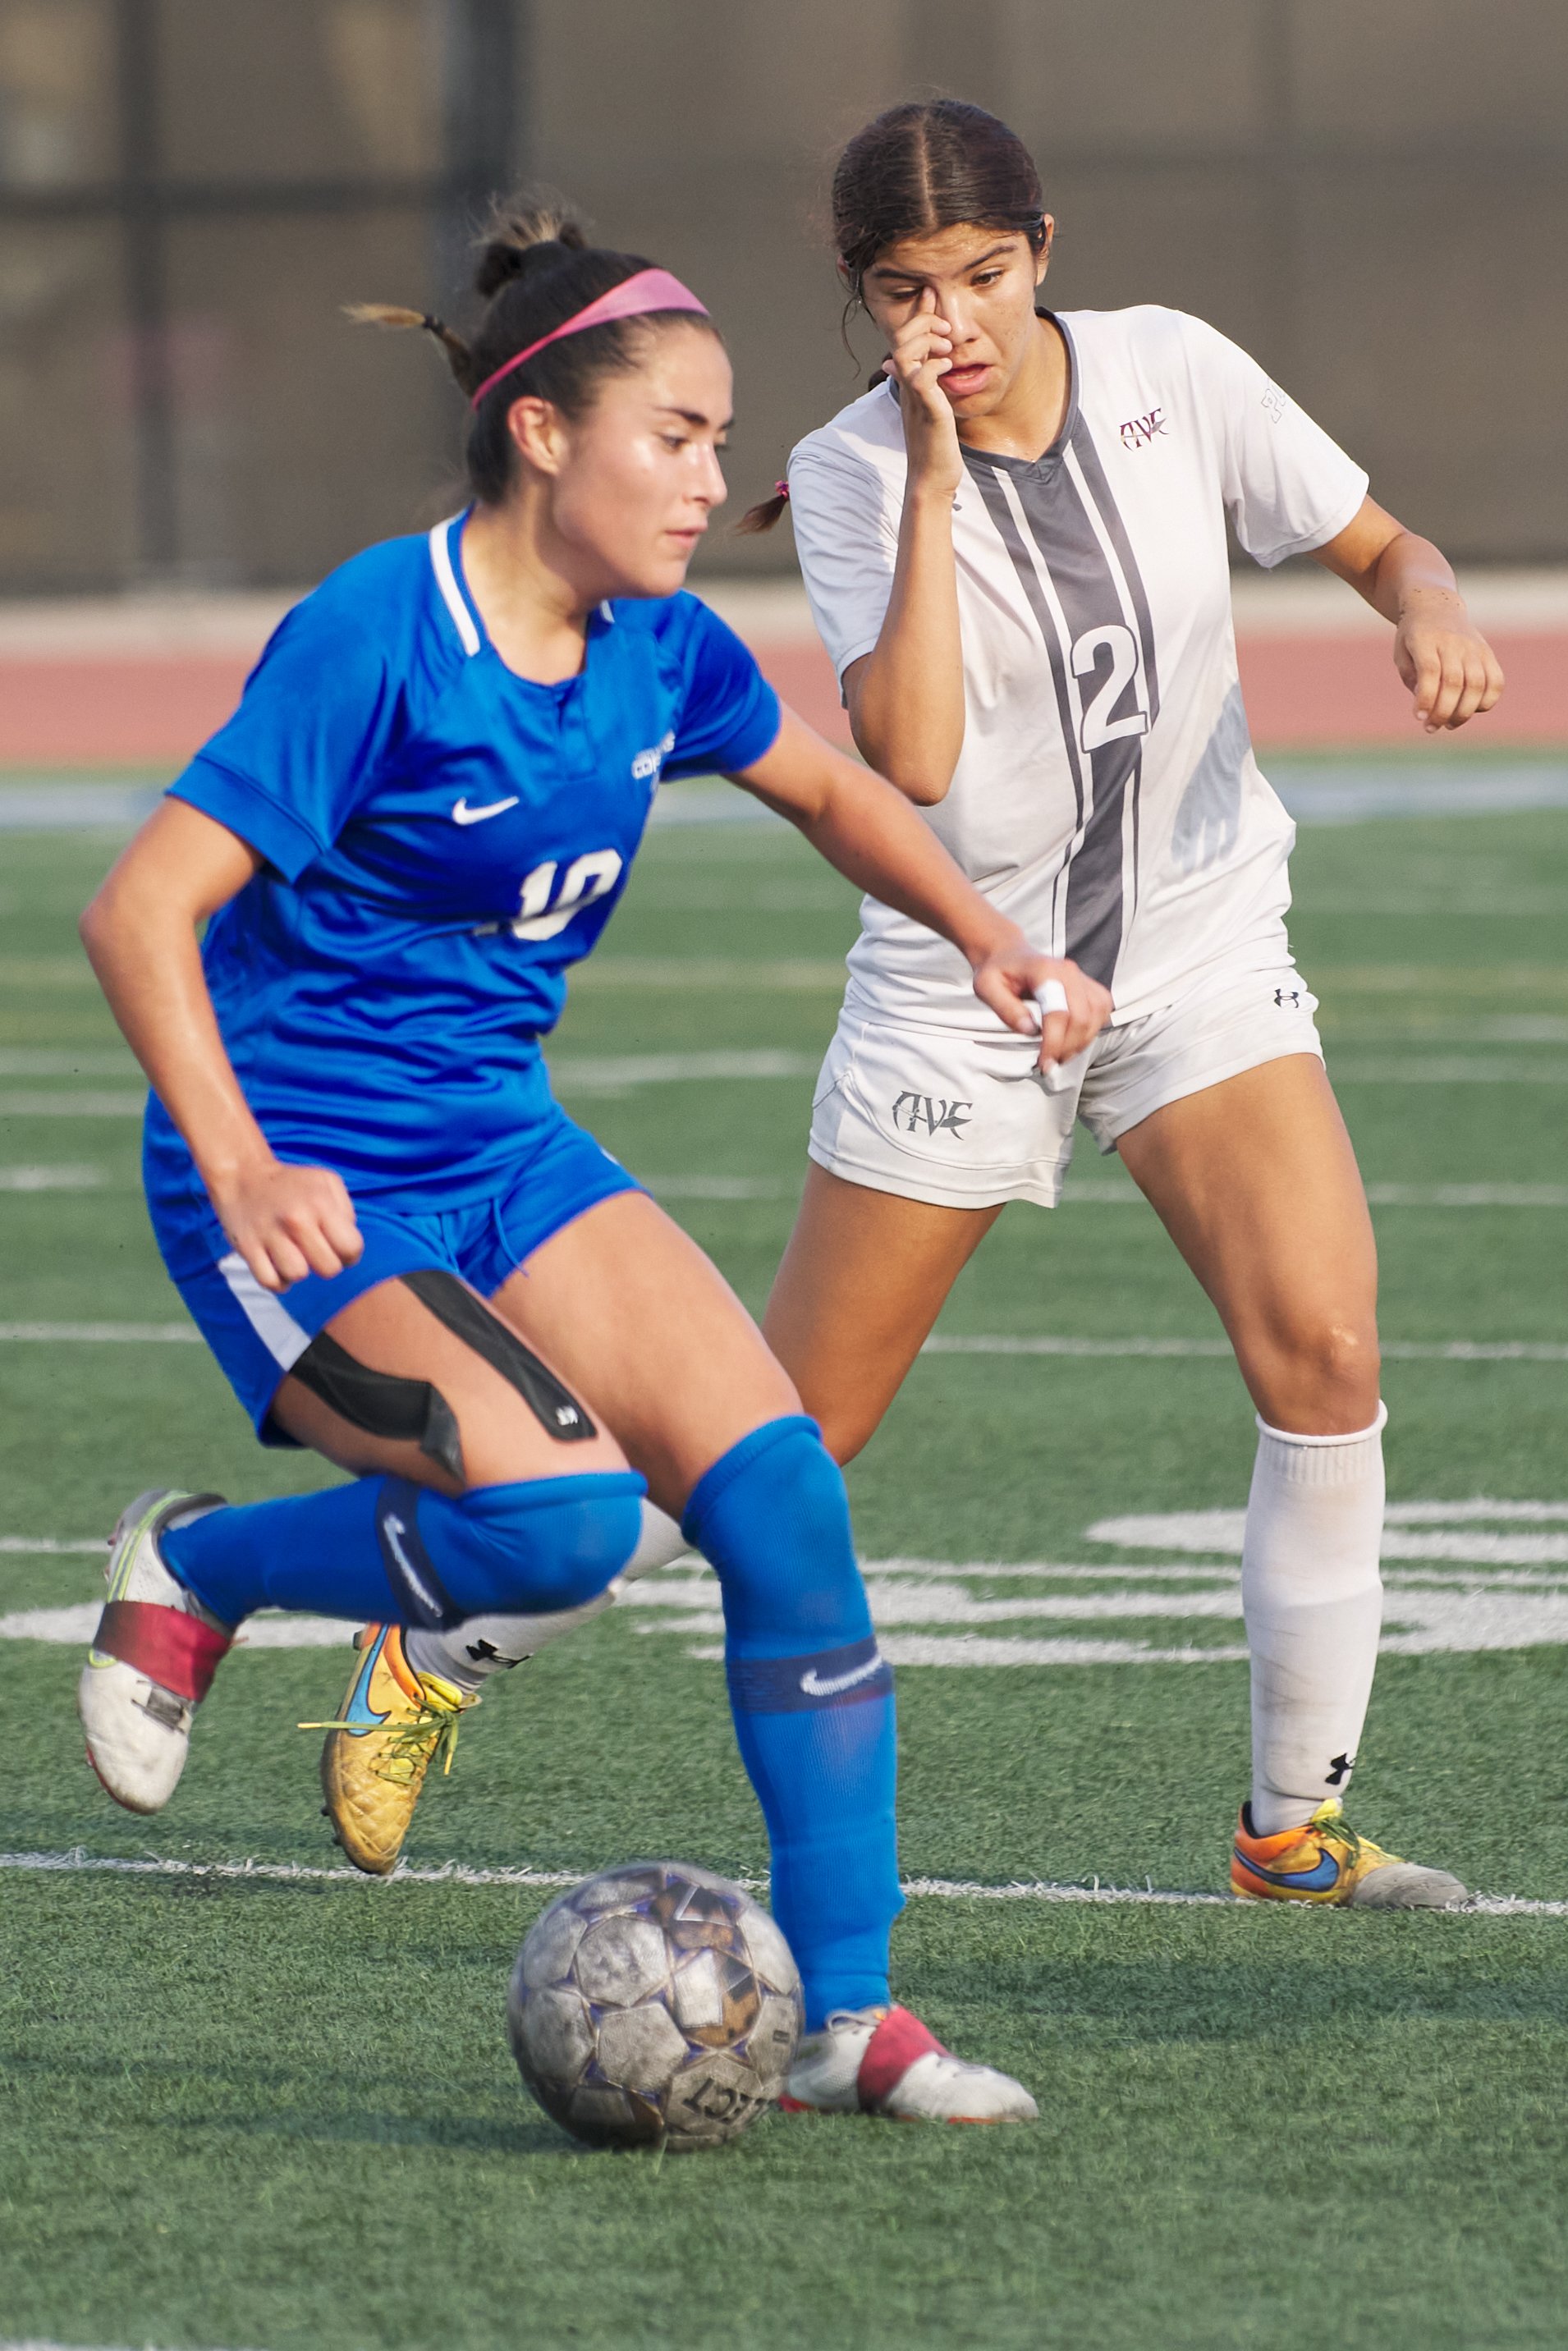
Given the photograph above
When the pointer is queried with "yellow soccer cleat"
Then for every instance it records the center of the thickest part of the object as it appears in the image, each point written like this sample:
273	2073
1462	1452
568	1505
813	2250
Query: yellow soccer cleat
1326	1861
394	1724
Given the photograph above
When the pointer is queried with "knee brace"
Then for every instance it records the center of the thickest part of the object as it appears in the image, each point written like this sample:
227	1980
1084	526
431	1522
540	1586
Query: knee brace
525	1550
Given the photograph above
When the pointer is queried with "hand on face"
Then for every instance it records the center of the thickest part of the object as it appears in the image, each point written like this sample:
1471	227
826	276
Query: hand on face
921	356
964	296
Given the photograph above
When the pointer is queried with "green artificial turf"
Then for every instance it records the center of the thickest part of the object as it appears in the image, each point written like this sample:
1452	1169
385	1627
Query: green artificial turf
275	2112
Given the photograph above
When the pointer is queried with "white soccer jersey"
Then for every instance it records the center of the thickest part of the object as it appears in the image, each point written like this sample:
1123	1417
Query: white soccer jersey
1106	796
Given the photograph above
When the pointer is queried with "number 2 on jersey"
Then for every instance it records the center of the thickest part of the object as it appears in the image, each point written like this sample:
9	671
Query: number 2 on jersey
1098	728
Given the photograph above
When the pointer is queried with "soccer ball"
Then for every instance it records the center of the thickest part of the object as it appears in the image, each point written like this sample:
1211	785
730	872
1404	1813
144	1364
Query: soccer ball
654	2004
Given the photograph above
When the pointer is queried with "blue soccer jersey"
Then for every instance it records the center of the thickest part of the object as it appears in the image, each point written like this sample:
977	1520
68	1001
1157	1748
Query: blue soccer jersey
441	839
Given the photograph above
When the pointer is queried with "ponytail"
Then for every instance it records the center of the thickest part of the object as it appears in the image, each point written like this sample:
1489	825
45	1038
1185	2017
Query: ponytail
763	516
459	357
536	270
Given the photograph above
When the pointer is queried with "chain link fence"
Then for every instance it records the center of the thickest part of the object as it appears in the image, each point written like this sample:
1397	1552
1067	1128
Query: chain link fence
1375	200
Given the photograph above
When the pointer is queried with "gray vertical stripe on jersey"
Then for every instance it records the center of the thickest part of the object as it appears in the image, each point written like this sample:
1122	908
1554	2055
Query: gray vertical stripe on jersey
1088	457
1070	548
1001	514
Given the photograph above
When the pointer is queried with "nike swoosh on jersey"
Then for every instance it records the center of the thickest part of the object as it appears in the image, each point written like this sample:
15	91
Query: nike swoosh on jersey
462	814
814	1686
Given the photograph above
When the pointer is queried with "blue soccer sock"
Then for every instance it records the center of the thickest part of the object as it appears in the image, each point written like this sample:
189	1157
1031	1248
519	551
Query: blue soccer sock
387	1551
812	1702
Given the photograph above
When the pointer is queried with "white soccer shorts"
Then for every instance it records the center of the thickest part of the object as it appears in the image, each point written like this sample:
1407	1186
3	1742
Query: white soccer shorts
967	1122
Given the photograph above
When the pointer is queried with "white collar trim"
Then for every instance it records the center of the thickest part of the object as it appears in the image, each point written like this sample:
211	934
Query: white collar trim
451	594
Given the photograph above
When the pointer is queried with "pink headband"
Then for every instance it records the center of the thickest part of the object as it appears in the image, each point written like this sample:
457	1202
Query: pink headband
650	290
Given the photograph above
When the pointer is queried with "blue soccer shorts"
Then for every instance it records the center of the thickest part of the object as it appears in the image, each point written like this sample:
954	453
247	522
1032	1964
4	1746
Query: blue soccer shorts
257	1335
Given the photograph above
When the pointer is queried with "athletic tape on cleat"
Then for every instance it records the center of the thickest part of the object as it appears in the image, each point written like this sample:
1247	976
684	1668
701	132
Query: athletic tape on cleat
890	2053
176	1651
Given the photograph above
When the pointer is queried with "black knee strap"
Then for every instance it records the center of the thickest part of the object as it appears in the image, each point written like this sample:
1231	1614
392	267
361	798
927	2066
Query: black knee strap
451	1302
382	1403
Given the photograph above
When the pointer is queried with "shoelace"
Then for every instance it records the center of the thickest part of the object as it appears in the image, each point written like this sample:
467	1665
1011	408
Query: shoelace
413	1746
1329	1820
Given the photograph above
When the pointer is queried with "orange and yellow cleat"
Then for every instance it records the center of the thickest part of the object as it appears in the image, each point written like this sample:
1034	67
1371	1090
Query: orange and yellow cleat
1326	1861
393	1725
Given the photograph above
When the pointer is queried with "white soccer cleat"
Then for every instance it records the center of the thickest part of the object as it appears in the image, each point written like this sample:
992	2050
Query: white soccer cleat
883	2060
151	1660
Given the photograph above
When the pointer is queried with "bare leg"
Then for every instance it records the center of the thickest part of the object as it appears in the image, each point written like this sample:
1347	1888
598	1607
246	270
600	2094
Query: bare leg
625	1307
1256	1181
863	1278
389	1330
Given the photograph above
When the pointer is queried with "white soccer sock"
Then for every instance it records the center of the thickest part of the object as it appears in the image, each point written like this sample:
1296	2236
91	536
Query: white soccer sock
1312	1599
469	1653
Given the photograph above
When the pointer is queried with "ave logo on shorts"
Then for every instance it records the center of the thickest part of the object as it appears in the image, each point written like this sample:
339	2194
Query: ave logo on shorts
932	1114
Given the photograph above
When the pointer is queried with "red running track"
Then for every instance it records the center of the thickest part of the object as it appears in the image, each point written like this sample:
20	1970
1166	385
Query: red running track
1307	692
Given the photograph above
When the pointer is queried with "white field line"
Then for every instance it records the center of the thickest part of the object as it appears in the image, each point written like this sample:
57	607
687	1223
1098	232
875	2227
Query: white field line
76	1622
17	1103
78	1862
599	1073
68	1061
613	1073
1467	1196
1109	1194
51	1179
1090	1193
728	1187
1449	1069
130	1334
727	974
1404	1351
1223	1531
1419	1350
54	1546
619	1074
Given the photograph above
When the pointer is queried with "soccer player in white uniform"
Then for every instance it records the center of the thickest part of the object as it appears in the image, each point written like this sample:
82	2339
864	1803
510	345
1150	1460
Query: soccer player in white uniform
1015	552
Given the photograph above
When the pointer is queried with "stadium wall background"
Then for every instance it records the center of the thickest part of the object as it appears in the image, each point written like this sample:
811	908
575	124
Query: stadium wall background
1372	197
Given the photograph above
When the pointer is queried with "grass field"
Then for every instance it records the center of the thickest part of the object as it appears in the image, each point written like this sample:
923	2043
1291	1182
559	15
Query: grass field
279	2112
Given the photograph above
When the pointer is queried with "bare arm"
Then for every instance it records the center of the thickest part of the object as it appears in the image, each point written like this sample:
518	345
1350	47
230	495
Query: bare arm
1439	653
865	829
140	933
906	697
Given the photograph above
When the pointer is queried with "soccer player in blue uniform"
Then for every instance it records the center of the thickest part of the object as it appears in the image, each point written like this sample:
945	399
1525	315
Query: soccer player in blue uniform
400	1250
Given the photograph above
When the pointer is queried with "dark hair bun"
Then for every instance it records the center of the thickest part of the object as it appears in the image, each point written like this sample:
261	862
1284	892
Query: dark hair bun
519	240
